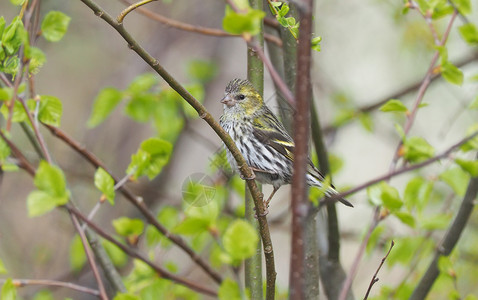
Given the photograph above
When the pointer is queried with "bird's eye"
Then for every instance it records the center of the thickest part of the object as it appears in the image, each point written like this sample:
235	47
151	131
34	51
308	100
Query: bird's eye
241	97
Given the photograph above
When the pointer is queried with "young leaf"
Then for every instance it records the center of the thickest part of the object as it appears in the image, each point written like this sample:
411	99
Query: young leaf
126	296
436	222
3	270
128	227
457	179
77	254
229	289
14	36
406	218
201	70
464	6
474	103
394	105
50	110
4	151
17	2
9	291
150	159
142	83
469	33
54	26
118	257
416	149
240	240
44	295
243	23
106	184
51	192
105	102
37	59
451	73
390	197
470	166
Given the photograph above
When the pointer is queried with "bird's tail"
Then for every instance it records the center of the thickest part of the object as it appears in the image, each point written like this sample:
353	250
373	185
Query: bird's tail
317	179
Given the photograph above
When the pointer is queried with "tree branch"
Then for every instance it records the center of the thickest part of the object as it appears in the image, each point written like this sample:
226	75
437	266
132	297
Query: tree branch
47	282
449	241
299	202
196	29
375	278
139	204
133	253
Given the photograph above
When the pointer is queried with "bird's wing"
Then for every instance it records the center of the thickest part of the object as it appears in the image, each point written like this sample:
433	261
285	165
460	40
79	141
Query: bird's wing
268	130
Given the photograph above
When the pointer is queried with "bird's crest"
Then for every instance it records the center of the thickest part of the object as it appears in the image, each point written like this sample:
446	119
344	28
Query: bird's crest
237	84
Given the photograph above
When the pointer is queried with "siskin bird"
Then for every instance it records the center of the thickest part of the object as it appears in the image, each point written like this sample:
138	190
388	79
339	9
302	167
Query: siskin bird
262	139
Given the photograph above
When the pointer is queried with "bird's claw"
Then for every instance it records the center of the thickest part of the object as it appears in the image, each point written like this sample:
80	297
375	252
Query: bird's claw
248	178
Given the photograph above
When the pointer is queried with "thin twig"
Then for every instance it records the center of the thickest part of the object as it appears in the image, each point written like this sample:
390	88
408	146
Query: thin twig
130	8
197	29
449	240
403	170
133	253
136	201
421	91
375	278
89	255
48	282
206	116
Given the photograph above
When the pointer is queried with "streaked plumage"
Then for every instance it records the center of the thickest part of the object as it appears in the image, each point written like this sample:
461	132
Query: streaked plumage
261	138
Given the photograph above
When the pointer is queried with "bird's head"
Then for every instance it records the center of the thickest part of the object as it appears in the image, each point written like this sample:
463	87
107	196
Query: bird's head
241	97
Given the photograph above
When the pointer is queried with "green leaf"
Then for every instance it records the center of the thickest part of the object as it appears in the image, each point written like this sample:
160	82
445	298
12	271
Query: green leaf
14	36
366	121
404	250
54	26
394	105
436	222
3	270
50	110
336	163
104	104
150	159
126	296
197	90
40	202
472	144
374	238
416	149
141	107
191	226
400	131
457	179
240	240
315	43
106	184
4	151
17	2
229	290
128	227
9	291
451	73
243	23
343	116
470	166
474	103
44	295
201	70
406	218
51	192
77	254
118	257
37	59
142	83
464	6
445	265
469	33
169	217
19	114
417	193
390	197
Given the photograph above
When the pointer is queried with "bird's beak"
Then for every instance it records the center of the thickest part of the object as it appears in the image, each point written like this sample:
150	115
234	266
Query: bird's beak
228	101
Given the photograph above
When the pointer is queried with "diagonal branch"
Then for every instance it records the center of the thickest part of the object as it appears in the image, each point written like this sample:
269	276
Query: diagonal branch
47	282
133	199
449	241
375	278
198	29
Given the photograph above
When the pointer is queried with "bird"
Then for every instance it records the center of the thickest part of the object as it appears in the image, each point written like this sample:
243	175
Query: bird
263	140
